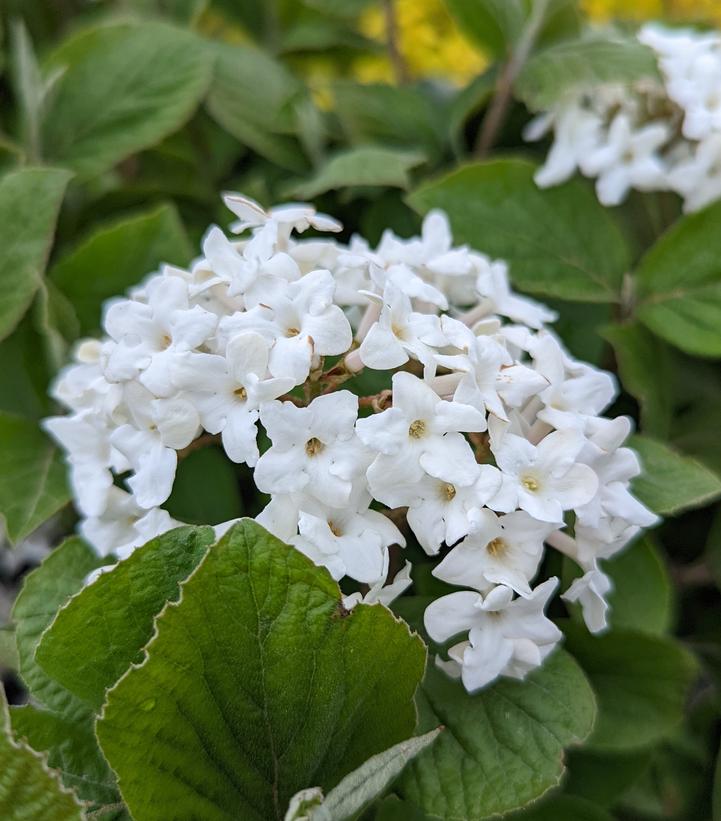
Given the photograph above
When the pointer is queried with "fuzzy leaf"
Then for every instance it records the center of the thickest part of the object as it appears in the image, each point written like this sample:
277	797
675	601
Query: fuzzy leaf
560	242
256	684
29	204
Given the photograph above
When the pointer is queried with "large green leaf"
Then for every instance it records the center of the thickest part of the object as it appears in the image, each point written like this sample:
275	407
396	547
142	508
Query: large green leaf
671	482
29	204
254	97
562	808
32	477
679	282
501	748
123	89
641	682
366	165
28	789
559	241
640	605
72	749
45	589
206	489
646	366
603	777
256	684
101	631
113	258
583	63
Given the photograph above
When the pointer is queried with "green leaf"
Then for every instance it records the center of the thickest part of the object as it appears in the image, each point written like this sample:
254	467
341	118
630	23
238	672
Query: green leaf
48	587
28	789
206	489
646	366
641	682
24	373
101	631
368	165
114	258
253	97
581	64
562	808
645	606
124	88
260	657
29	204
8	650
670	482
502	747
679	282
560	241
492	24
72	749
603	777
32	477
359	788
419	119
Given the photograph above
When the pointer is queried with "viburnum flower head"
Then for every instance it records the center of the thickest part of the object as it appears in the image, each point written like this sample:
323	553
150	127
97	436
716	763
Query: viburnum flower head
480	448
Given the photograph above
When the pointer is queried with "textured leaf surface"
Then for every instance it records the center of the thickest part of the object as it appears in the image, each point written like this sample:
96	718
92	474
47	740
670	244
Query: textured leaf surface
124	88
680	284
32	476
100	632
502	747
28	789
114	258
559	241
72	749
583	63
641	682
672	482
259	656
45	589
362	166
29	204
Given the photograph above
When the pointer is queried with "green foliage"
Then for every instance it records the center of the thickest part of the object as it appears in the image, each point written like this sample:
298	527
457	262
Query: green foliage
29	204
582	63
641	683
123	88
32	476
101	631
502	747
28	789
119	252
259	656
558	242
366	166
671	482
679	282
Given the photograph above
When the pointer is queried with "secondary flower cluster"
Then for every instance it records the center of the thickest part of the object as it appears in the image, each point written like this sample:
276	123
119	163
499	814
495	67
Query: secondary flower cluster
486	442
654	135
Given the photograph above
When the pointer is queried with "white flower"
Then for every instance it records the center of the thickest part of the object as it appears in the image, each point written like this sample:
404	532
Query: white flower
543	480
501	550
291	216
697	178
380	593
506	636
315	449
422	431
229	390
590	591
492	285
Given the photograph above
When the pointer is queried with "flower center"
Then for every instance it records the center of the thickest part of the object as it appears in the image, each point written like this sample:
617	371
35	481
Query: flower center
417	429
335	530
399	332
530	483
448	491
166	341
241	393
292	332
313	447
496	547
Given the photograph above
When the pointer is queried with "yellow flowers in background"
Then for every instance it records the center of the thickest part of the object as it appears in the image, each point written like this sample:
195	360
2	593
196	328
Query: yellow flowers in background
708	11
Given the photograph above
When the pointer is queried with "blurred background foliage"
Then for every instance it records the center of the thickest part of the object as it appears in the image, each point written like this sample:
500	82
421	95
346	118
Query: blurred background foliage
155	106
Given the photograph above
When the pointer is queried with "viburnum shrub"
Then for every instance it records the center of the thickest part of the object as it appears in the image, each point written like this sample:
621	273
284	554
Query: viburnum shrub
489	440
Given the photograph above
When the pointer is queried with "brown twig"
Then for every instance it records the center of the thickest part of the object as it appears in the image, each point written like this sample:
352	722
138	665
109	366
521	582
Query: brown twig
203	441
400	69
378	401
498	109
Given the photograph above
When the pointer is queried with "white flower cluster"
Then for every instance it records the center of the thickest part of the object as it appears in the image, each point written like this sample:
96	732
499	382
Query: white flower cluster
487	439
653	135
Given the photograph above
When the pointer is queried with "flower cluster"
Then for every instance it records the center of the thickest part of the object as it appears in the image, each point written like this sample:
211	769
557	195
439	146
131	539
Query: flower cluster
485	446
654	135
